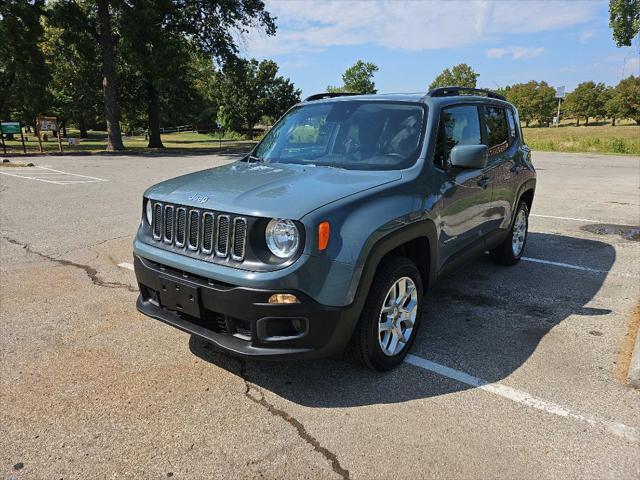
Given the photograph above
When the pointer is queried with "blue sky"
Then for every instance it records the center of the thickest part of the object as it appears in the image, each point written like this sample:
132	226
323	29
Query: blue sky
562	42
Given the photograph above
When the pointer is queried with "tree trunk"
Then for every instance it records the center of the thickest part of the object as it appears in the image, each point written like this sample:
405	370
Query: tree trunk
82	126
586	121
109	88
153	112
64	129
577	121
526	123
613	121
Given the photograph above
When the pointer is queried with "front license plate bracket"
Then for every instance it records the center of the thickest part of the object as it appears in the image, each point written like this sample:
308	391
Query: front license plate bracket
179	296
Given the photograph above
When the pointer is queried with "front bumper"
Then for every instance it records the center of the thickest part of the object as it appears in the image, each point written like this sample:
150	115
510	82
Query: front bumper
239	319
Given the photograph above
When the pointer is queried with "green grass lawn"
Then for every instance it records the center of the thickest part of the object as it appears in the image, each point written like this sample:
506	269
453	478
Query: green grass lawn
598	138
97	142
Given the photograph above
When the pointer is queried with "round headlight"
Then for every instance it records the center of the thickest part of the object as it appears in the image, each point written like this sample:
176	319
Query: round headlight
149	211
282	237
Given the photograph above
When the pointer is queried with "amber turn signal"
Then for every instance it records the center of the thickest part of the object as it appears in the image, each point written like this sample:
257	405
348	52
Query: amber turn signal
323	235
283	298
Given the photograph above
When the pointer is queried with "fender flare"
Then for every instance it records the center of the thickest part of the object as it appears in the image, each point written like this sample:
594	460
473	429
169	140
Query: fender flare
396	238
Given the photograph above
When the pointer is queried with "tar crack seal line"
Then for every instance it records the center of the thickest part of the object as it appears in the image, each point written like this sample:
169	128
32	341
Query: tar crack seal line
91	272
253	393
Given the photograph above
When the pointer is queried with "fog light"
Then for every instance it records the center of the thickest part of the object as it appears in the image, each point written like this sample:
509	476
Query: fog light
283	298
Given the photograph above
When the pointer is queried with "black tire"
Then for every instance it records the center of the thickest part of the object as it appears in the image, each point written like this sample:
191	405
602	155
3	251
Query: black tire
365	345
504	253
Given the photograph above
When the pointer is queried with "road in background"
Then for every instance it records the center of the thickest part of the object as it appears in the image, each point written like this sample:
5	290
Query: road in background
516	372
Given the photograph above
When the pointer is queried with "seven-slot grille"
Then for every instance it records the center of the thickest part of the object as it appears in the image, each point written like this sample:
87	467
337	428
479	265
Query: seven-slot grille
200	230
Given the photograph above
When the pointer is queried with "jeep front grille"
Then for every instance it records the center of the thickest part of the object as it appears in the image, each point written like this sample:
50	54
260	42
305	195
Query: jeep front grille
200	231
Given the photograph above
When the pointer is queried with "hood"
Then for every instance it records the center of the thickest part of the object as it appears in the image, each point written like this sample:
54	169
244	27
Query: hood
267	190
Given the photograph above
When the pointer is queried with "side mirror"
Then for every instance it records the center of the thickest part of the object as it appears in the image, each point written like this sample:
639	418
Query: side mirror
469	156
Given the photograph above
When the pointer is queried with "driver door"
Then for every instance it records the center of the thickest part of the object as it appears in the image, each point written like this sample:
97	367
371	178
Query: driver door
465	193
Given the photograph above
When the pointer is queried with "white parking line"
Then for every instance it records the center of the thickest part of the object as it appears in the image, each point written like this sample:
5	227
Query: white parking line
567	218
523	397
577	267
41	172
126	265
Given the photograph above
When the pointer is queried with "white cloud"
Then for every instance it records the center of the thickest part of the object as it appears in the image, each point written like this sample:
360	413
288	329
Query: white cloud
517	53
585	36
307	26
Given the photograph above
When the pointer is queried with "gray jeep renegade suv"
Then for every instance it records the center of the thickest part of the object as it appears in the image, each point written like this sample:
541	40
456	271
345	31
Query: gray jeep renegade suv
327	235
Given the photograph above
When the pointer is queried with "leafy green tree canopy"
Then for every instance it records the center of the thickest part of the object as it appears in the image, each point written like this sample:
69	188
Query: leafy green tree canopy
624	20
535	101
358	78
461	75
24	74
628	93
587	100
249	90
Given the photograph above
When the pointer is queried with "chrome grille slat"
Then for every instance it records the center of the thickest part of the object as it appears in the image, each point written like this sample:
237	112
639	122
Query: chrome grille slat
181	225
168	223
194	230
207	232
222	237
200	231
239	238
157	221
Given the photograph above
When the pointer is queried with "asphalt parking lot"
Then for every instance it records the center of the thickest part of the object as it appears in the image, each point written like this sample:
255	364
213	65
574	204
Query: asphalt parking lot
516	373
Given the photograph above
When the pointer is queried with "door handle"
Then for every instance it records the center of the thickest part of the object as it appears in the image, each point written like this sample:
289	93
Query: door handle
484	181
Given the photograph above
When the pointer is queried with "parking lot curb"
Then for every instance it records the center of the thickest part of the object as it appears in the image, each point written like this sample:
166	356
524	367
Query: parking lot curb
633	376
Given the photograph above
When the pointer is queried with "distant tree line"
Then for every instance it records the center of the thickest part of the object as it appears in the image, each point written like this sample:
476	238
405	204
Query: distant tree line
128	66
536	102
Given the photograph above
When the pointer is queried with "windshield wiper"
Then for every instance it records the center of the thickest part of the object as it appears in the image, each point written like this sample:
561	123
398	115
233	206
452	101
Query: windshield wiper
253	158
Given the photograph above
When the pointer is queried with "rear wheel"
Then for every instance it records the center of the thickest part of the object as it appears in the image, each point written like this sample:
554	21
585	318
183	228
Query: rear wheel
511	249
390	316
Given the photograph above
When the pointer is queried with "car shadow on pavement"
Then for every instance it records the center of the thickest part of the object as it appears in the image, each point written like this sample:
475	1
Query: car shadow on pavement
485	320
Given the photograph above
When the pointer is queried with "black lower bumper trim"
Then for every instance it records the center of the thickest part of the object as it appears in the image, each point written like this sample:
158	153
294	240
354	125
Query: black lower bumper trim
234	317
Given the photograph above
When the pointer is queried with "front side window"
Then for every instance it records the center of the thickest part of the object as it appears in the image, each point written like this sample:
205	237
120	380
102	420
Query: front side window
497	130
357	135
458	126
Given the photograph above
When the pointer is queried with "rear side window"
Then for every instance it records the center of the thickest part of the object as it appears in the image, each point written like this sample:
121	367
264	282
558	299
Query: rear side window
497	130
458	126
513	131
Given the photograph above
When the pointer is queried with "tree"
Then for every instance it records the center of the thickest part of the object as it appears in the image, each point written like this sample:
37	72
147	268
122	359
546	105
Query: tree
158	38
461	75
544	103
358	78
73	56
613	105
587	100
109	82
534	101
624	20
628	91
249	90
24	74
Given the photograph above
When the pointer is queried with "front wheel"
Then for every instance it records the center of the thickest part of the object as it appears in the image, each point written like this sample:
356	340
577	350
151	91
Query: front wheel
511	249
390	316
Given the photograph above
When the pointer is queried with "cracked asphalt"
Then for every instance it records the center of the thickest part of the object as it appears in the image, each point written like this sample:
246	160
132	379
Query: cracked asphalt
90	388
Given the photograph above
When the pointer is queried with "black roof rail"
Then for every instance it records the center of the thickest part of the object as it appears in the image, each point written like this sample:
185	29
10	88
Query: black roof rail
320	96
454	91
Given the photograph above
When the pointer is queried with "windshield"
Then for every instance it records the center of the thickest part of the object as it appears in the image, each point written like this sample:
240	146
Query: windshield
357	135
